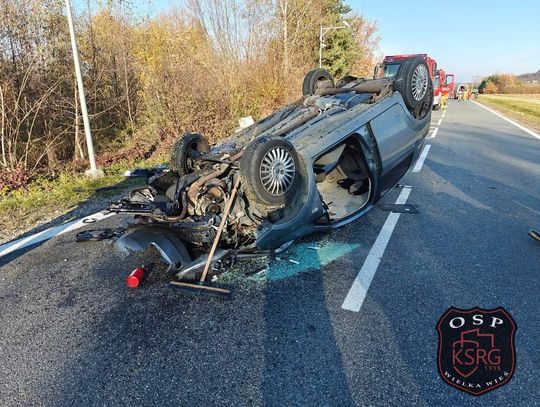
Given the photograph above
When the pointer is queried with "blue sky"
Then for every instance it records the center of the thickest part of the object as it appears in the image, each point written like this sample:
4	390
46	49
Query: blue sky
469	38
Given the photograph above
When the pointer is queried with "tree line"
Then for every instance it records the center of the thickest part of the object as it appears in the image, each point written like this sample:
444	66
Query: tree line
198	67
506	84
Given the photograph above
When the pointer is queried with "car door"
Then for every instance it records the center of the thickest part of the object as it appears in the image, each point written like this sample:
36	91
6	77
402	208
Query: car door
398	138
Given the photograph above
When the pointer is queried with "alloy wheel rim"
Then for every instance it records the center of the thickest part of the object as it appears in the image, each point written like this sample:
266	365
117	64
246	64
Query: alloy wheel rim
277	171
419	82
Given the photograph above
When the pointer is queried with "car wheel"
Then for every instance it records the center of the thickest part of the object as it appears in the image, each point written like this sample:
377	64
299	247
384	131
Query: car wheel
185	150
269	170
413	83
317	80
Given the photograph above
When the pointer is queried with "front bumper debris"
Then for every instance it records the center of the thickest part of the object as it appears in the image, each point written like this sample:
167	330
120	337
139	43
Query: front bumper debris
141	237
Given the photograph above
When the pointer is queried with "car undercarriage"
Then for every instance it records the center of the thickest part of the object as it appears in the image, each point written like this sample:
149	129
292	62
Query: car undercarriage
316	164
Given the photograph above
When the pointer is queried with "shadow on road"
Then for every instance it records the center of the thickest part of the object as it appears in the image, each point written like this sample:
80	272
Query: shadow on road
303	364
477	254
270	343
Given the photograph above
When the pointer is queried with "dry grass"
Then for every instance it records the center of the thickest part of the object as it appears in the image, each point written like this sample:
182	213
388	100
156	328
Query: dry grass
44	200
524	109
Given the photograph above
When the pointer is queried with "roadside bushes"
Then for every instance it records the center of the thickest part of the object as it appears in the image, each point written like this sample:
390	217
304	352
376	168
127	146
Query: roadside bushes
196	68
488	87
505	83
15	178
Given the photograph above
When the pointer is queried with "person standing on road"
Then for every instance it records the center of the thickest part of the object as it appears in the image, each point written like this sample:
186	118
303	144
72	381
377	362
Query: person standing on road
535	235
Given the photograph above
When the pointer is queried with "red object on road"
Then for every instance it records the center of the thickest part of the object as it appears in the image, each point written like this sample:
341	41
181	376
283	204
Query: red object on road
135	278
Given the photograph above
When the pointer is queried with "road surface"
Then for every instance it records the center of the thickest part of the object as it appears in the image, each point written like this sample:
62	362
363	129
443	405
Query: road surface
71	333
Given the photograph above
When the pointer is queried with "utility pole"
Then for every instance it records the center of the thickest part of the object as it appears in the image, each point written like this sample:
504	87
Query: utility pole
93	172
322	33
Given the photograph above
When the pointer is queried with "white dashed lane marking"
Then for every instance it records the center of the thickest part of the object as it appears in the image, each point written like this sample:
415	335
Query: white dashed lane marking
358	291
422	158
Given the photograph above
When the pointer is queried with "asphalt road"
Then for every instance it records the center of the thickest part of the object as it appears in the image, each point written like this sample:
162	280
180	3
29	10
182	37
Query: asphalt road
72	333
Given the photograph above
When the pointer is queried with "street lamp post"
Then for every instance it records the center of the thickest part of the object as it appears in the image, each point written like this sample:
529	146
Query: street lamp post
93	172
322	33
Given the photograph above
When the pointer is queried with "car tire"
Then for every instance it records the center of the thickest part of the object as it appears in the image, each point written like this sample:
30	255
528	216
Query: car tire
413	82
316	80
270	171
184	150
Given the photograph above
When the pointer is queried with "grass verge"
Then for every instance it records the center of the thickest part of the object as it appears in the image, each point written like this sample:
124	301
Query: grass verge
44	200
524	109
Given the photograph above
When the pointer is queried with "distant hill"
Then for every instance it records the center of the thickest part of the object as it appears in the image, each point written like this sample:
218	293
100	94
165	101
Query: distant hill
530	77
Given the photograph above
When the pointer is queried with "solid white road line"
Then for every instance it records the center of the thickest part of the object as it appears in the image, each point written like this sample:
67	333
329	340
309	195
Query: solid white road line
434	134
443	113
439	122
357	293
50	233
422	158
519	126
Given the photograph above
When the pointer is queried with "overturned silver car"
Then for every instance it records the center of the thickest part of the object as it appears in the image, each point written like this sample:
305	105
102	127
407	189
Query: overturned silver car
316	164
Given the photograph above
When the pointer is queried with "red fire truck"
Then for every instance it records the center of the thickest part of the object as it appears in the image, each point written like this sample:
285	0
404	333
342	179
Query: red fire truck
448	86
391	64
443	84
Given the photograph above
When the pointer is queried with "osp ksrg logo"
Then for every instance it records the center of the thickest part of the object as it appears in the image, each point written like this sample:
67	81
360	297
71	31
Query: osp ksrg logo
476	349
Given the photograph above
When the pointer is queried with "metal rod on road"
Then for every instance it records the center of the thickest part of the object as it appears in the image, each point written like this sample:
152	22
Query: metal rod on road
93	172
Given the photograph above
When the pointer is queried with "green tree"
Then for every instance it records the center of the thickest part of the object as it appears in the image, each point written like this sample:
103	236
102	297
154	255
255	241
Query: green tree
505	83
340	50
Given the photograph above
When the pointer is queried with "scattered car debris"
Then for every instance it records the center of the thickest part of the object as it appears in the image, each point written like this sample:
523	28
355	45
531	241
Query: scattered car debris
147	172
89	220
94	235
257	271
403	186
314	165
399	208
244	122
